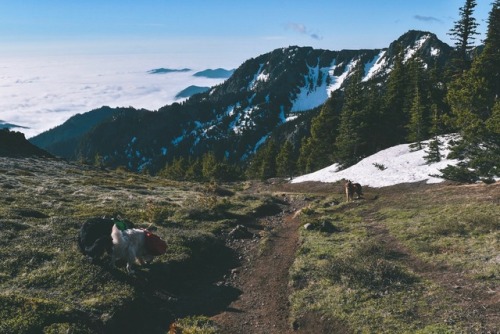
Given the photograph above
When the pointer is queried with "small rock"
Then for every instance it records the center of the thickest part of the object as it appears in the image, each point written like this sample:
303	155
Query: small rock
308	226
240	232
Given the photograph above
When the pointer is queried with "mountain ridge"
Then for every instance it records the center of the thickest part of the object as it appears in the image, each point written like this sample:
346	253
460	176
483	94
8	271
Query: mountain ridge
232	119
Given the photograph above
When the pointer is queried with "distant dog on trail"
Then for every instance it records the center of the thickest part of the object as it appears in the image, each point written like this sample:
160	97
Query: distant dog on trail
94	238
351	188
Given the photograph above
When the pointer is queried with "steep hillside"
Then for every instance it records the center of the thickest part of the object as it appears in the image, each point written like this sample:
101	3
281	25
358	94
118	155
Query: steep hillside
64	139
14	144
233	119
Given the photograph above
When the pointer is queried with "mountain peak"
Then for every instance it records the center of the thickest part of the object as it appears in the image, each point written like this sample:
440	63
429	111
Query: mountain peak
235	117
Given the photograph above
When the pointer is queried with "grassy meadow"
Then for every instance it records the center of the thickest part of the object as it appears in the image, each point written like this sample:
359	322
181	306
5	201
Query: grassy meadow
405	259
47	285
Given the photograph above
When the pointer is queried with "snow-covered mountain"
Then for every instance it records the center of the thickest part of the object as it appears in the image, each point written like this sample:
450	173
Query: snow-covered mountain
234	118
395	165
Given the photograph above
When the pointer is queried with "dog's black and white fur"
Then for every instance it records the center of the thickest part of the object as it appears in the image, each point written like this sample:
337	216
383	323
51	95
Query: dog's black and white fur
94	238
130	245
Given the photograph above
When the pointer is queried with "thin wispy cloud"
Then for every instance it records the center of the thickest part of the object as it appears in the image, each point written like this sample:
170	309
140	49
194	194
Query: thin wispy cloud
302	29
428	19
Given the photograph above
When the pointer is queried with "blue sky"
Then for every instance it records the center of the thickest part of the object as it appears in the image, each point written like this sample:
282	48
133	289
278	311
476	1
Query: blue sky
228	29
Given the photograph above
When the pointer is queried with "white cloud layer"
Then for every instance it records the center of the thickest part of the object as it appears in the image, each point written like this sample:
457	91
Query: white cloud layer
41	93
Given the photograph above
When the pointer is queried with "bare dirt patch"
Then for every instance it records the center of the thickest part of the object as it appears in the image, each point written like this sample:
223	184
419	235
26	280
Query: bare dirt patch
263	278
263	305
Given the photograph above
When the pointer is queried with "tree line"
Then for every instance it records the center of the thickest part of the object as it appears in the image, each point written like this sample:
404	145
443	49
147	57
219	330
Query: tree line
417	102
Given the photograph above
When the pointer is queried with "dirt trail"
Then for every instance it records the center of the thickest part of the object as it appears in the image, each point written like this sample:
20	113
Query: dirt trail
263	305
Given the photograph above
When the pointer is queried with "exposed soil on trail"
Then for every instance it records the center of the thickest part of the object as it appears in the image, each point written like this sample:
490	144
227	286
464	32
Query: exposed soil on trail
262	279
262	305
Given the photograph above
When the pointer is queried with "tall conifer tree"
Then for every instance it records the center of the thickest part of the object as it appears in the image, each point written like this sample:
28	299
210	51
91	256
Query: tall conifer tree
417	126
317	151
434	150
393	118
490	57
463	33
353	123
473	99
285	163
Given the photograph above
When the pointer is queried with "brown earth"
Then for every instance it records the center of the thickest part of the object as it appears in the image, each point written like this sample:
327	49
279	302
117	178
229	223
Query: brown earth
263	306
263	278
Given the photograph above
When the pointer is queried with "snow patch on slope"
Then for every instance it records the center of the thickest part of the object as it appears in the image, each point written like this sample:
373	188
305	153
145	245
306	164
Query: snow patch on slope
259	76
410	51
337	81
314	92
316	89
373	67
395	165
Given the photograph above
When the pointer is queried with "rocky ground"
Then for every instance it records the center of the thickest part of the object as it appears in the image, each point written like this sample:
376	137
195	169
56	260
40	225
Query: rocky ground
263	305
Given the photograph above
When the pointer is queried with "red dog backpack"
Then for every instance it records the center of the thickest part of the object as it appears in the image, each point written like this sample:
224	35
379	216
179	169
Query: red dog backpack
154	244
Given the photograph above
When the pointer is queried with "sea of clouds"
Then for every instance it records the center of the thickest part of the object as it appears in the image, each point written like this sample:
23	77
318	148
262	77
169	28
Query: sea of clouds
39	93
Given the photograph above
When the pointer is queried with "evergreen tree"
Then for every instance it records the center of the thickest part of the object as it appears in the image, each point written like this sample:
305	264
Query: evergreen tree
268	166
373	105
493	123
304	160
225	171
285	163
416	125
175	170
437	101
393	116
490	57
473	99
209	166
468	99
317	151
417	130
98	161
434	149
463	33
353	123
324	129
263	164
195	171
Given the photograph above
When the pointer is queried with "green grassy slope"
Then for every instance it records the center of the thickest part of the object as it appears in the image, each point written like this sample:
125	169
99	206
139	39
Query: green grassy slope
405	259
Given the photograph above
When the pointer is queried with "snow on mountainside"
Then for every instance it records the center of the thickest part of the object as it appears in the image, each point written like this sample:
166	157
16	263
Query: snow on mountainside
320	82
398	164
234	118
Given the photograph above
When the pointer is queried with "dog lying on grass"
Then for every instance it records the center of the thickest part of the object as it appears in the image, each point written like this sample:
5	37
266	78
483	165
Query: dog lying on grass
135	246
